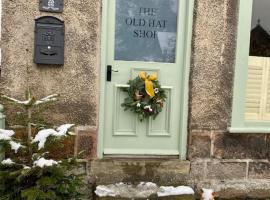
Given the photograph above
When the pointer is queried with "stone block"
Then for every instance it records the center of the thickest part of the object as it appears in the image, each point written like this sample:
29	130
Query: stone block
199	145
86	141
226	170
159	171
63	149
259	170
267	149
239	146
198	170
239	189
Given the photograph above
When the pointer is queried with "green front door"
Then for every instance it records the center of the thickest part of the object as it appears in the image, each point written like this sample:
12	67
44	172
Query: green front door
150	36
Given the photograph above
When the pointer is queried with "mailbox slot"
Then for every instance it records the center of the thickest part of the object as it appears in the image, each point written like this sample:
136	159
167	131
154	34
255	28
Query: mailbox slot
49	41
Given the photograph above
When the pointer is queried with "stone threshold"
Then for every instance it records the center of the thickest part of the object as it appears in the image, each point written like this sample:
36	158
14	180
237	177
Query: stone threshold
239	189
160	171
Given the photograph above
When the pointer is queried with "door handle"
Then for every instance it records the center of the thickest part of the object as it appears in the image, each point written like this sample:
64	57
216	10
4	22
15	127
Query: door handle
109	72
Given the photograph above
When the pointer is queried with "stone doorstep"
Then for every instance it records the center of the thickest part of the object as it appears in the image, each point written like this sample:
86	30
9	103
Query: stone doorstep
180	197
239	189
160	171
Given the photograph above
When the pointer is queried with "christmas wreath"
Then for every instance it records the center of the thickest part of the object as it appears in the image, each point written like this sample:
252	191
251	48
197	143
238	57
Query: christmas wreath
145	96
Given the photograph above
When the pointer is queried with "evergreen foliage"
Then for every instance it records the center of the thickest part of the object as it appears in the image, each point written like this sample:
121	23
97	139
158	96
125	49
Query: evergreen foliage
140	103
31	174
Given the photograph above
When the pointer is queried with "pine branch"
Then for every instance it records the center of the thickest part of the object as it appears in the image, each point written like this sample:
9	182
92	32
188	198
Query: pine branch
47	99
28	102
31	100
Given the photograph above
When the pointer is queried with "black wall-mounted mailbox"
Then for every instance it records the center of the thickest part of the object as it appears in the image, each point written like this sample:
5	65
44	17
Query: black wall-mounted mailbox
49	40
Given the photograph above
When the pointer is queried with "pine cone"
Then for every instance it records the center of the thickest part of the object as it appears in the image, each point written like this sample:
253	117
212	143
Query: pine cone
137	95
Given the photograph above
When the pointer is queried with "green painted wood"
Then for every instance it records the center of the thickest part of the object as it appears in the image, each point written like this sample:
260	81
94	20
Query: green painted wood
249	130
2	126
186	71
113	142
238	122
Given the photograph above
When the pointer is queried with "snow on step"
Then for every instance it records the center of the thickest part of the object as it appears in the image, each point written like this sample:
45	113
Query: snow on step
208	194
173	191
142	190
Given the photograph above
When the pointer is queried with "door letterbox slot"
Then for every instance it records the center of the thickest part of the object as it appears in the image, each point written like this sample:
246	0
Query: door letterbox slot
49	41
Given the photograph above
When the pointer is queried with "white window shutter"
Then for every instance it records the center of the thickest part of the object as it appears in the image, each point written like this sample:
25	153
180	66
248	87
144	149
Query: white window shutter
258	89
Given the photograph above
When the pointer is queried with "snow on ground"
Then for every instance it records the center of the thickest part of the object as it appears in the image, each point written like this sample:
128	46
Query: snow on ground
7	162
142	190
42	162
172	191
15	146
42	135
6	134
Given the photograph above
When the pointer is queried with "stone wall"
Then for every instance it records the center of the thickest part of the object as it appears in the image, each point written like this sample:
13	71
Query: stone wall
236	165
77	81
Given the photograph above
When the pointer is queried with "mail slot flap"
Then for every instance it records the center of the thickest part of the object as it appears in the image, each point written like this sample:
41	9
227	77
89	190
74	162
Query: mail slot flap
54	26
49	20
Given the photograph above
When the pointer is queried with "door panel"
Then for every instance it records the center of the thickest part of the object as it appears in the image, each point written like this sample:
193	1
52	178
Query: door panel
129	55
125	123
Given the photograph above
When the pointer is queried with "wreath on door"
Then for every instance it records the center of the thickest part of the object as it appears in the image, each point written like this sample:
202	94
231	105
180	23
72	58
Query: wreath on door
146	97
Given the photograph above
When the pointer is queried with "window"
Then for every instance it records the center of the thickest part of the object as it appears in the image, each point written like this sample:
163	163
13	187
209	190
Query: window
251	100
146	30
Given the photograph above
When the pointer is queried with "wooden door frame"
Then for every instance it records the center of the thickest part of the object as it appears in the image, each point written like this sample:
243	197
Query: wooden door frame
183	123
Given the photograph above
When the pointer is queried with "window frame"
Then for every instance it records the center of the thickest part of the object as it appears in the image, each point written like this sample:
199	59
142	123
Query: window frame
238	122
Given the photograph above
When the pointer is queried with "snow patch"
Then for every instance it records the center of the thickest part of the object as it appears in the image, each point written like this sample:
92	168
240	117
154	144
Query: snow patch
42	162
6	134
15	146
42	135
147	185
208	194
62	130
173	191
105	191
26	167
142	190
7	162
